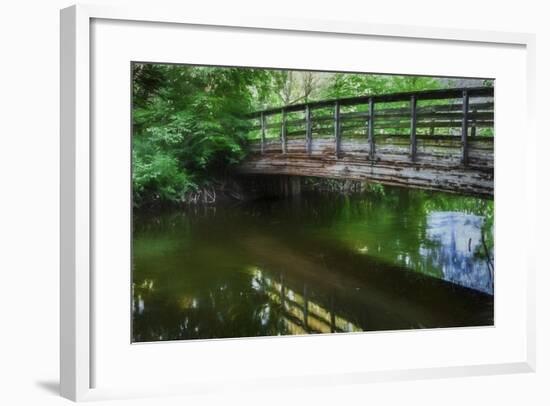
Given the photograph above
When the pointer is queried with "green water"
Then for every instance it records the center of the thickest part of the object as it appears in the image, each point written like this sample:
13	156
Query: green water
314	263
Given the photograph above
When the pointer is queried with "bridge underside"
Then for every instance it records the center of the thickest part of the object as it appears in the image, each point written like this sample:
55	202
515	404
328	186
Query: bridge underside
436	167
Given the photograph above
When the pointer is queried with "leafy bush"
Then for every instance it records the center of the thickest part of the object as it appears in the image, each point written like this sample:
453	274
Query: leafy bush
188	127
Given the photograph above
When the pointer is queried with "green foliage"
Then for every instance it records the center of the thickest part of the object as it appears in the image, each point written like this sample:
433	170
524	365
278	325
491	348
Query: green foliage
355	84
375	189
188	126
159	178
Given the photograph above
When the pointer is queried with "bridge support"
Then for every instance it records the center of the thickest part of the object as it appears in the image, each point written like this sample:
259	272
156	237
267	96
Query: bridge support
290	185
295	185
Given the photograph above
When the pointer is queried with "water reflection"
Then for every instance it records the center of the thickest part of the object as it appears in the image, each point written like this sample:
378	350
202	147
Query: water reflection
458	238
300	315
319	264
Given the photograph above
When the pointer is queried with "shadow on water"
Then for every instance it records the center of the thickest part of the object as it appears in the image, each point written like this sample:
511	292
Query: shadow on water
314	264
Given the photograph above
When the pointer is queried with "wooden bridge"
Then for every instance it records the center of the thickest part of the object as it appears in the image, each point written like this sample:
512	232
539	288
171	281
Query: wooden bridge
436	139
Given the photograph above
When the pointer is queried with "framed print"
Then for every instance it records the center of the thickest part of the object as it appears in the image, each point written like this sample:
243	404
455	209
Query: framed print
232	203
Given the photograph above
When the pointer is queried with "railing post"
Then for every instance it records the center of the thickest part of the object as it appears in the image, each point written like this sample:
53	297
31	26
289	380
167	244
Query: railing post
413	128
337	134
283	131
464	138
473	129
262	123
371	129
308	129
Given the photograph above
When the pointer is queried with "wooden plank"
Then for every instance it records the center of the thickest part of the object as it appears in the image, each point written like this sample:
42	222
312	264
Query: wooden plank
443	151
464	139
453	109
437	94
308	129
449	178
371	129
425	111
419	124
337	129
381	115
444	141
388	118
413	128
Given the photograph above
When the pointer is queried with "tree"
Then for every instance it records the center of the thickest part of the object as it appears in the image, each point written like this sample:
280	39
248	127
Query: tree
358	84
188	126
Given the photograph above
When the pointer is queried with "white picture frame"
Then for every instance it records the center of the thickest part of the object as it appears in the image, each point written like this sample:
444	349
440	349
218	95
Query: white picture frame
77	283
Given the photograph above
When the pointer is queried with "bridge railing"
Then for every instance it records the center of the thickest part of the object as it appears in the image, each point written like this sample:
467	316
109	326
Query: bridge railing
460	115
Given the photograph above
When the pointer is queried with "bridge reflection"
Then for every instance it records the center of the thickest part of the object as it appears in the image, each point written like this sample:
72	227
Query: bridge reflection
301	315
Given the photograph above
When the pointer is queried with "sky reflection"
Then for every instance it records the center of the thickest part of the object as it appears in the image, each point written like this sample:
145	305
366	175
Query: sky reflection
458	249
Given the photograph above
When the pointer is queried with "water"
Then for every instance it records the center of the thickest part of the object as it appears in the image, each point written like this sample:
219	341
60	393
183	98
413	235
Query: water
315	263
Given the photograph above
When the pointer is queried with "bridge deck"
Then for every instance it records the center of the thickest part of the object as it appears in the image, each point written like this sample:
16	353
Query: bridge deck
444	146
